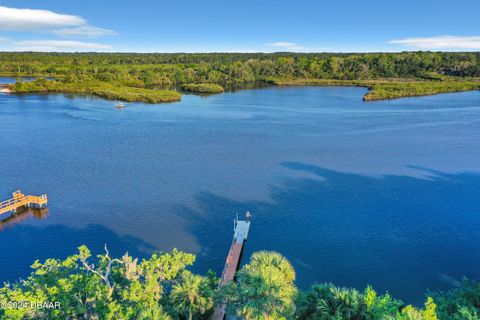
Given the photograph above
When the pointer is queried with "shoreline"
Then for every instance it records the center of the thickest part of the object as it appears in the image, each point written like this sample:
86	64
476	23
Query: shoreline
388	89
106	90
378	89
136	77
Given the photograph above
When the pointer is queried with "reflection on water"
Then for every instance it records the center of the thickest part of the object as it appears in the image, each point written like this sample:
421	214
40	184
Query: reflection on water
22	214
337	185
11	80
232	87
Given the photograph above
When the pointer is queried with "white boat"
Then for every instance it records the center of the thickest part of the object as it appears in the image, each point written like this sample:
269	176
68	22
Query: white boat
120	105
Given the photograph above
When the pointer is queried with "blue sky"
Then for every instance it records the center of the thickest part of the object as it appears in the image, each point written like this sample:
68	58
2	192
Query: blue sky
239	26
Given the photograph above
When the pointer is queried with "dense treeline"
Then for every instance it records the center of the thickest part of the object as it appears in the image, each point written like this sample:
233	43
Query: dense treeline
162	288
242	67
166	70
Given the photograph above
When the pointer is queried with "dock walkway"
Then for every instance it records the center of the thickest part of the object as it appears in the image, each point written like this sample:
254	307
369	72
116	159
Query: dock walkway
240	235
21	200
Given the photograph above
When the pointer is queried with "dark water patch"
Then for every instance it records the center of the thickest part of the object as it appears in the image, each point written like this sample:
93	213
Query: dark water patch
26	243
398	233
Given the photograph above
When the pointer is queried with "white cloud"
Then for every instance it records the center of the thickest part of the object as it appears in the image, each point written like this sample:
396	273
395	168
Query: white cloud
86	31
13	19
57	45
34	20
282	44
286	46
440	42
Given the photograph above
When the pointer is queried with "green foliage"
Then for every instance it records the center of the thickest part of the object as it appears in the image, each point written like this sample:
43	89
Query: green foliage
111	288
460	303
326	301
99	88
391	90
192	295
264	288
274	260
388	88
380	307
202	87
117	75
161	287
429	313
411	313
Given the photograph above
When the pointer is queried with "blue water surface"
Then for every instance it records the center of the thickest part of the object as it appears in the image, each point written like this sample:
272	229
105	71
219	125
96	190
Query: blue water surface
11	80
382	193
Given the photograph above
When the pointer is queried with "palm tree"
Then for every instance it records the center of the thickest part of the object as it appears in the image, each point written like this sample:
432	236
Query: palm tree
276	260
190	295
329	302
264	288
155	312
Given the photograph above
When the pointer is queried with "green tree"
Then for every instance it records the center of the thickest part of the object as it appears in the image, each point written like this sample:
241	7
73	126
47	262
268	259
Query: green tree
460	303
412	313
264	289
329	302
275	260
429	312
161	287
109	288
192	295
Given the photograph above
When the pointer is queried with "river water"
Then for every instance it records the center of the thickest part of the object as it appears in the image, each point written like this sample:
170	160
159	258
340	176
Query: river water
382	193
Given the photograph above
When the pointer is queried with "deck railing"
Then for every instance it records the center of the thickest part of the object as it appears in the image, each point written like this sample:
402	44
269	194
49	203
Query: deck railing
19	199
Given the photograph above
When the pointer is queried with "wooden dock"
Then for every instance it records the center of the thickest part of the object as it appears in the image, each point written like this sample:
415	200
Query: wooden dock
21	200
240	235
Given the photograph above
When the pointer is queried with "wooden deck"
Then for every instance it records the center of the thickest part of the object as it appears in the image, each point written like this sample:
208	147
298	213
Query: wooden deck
240	235
21	200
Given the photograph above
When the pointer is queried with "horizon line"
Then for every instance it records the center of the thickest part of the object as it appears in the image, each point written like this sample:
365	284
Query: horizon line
242	52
